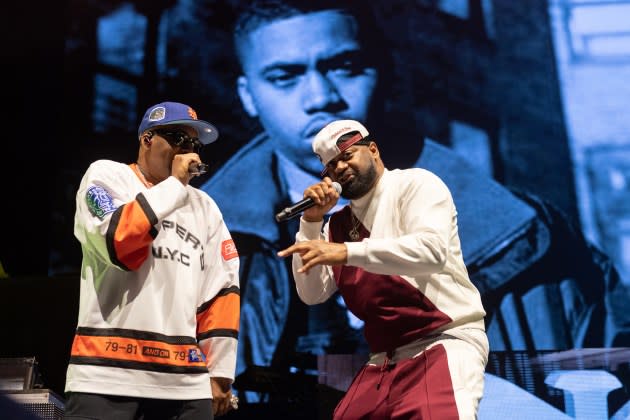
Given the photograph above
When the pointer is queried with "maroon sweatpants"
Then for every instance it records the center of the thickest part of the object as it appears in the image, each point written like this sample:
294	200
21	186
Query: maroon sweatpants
418	388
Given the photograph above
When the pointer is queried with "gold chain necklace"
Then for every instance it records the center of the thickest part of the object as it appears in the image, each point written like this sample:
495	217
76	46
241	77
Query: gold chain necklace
356	222
141	175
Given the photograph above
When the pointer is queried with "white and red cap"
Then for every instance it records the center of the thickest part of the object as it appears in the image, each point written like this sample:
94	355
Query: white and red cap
325	144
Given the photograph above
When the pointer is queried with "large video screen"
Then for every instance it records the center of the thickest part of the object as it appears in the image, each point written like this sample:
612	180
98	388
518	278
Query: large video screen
492	96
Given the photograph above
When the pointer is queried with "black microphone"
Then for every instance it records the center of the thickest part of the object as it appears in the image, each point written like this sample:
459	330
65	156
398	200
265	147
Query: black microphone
198	168
301	205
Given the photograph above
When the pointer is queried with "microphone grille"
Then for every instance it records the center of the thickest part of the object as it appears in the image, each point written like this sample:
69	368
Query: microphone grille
337	187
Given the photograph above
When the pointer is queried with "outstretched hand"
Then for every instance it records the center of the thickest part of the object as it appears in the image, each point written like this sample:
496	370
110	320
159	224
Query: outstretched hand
317	252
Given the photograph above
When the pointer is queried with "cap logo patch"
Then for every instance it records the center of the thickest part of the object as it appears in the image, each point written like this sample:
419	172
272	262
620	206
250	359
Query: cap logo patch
192	113
334	135
158	114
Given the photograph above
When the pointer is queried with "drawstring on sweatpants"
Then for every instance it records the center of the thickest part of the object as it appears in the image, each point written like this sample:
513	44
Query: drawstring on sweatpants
385	366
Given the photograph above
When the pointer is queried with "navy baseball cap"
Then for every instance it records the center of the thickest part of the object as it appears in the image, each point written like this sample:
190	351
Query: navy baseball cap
170	113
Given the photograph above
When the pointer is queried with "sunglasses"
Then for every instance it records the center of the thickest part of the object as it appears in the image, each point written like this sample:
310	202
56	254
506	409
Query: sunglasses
181	139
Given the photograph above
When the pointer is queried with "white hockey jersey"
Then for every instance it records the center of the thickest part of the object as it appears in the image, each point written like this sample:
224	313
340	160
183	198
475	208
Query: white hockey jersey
160	298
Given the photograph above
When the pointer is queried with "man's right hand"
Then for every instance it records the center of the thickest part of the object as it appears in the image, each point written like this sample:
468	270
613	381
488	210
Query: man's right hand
180	168
325	198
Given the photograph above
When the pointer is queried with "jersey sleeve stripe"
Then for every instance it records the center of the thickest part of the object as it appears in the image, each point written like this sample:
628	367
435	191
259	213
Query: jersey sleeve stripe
148	211
222	292
129	235
219	333
221	314
109	238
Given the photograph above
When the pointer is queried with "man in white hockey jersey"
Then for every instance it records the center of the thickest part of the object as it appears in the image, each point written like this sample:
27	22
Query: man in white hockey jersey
159	306
395	256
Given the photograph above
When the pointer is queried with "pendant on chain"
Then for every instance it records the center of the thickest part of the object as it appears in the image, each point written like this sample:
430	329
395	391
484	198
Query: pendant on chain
354	234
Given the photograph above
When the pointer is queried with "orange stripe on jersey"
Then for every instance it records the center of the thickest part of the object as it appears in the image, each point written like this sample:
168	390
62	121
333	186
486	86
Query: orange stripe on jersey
221	316
132	236
135	350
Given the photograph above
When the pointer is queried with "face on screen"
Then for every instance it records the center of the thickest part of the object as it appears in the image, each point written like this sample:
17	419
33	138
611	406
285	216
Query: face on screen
302	72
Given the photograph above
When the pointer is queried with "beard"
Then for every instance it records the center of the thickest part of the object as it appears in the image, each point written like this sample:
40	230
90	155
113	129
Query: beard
361	184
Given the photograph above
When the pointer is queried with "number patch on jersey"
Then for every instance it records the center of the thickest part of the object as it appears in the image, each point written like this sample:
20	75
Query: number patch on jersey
99	201
194	355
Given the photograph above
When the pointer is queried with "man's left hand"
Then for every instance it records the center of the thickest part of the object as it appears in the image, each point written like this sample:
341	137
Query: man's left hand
221	395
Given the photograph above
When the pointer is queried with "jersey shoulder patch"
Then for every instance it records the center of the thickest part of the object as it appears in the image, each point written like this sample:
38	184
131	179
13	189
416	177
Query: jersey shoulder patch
99	201
228	249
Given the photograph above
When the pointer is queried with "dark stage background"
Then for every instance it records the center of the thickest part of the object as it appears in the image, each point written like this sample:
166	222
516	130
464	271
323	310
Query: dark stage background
494	81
